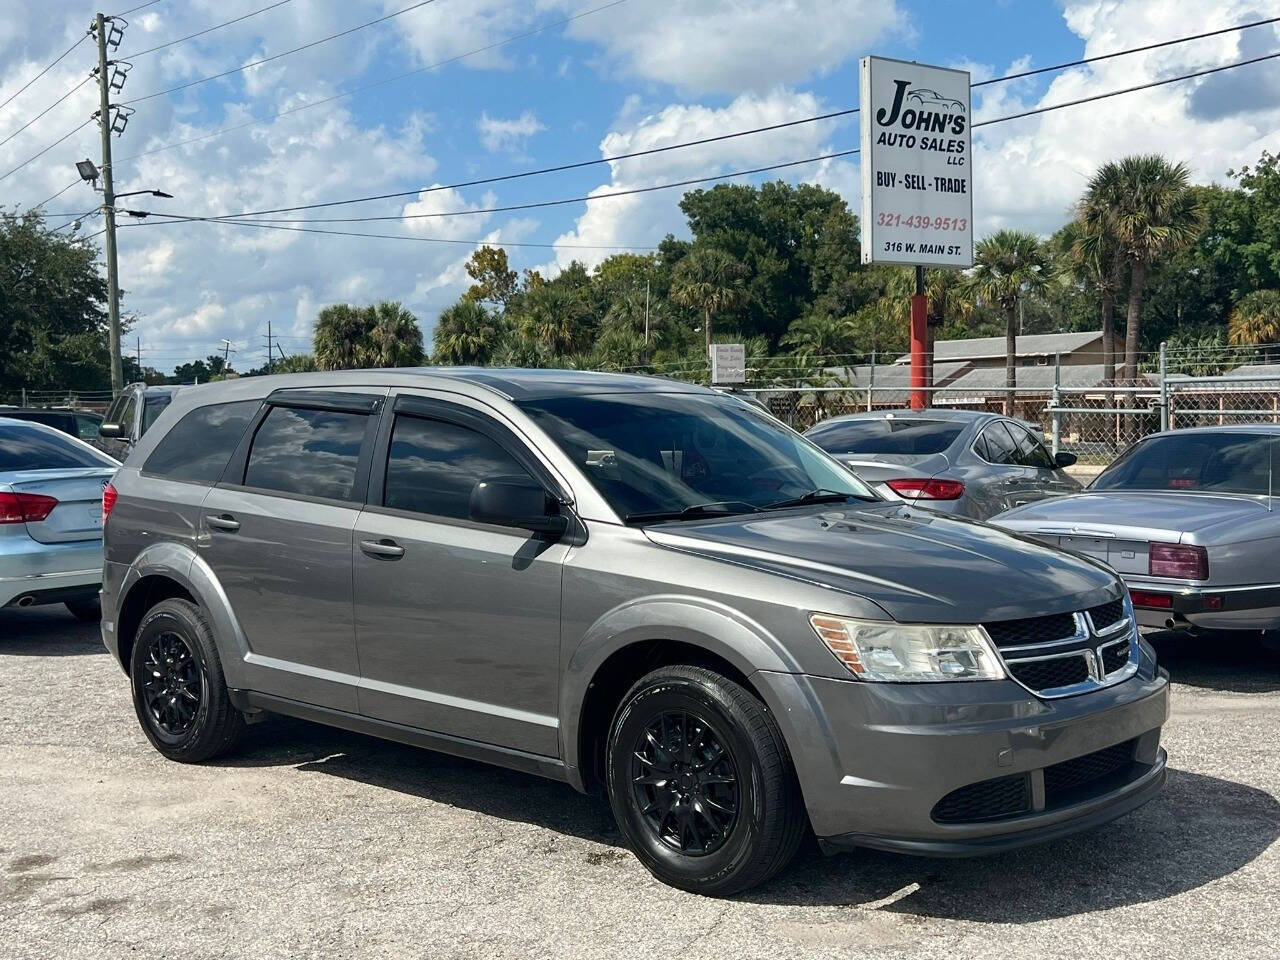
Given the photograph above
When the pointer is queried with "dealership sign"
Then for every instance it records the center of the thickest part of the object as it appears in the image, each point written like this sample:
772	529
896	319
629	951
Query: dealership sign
917	170
728	363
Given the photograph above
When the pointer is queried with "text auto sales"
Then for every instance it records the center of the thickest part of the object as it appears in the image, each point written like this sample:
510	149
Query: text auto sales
927	121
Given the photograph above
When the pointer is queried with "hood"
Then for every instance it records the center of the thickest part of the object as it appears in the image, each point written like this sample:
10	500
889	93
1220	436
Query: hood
918	566
1136	515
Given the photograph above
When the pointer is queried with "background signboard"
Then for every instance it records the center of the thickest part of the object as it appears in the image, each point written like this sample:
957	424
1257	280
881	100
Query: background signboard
917	170
728	363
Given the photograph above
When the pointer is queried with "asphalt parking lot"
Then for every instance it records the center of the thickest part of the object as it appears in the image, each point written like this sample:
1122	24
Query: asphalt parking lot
311	842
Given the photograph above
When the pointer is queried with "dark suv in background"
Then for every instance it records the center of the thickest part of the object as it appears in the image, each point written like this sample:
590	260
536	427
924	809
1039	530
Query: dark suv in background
130	415
626	584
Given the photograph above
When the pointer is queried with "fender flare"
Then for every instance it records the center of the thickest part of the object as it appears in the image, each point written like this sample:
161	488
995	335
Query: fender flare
697	621
180	563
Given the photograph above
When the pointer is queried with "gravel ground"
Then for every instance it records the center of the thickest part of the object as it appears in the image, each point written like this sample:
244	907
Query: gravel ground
312	842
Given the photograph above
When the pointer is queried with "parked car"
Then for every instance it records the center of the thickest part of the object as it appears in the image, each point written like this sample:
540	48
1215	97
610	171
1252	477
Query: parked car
81	424
1188	518
963	462
629	584
131	414
50	518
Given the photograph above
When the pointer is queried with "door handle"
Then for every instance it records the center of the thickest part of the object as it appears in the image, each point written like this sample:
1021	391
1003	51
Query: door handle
223	522
382	549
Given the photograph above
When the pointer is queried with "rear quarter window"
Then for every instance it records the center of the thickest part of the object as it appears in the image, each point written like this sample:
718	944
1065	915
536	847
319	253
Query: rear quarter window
197	448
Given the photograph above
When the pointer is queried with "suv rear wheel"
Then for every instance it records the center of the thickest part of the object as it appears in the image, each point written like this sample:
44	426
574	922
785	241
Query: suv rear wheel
701	782
179	692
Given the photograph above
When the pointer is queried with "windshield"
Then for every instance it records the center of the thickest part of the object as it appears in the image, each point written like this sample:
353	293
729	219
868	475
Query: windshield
24	447
919	437
653	453
1209	462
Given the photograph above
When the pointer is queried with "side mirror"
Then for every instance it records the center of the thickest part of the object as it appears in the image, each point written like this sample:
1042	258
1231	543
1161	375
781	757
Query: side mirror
1064	459
111	431
516	502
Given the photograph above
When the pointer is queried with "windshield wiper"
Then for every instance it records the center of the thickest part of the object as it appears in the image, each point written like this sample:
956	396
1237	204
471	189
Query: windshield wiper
714	508
813	496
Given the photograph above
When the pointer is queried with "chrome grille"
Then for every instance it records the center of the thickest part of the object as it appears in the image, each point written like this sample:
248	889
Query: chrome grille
1031	630
1053	673
1114	656
1104	615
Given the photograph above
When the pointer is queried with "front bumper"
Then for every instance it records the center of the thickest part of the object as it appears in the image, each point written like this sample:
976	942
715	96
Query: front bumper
49	572
875	760
1255	607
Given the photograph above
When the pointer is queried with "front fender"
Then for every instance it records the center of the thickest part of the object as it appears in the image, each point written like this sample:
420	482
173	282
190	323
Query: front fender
178	562
706	624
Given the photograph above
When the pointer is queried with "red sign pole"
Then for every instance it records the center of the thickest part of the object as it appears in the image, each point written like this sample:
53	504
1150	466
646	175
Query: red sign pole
919	338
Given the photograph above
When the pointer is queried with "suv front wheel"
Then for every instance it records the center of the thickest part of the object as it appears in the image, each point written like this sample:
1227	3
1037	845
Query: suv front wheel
701	782
178	689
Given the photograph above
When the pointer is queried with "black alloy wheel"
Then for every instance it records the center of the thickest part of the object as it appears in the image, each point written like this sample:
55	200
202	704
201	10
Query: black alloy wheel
172	685
179	691
685	783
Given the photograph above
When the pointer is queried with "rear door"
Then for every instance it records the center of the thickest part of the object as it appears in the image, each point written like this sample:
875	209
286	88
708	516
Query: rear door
276	530
1005	483
457	622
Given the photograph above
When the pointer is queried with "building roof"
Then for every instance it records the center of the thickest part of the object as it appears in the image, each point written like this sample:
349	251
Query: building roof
993	348
982	381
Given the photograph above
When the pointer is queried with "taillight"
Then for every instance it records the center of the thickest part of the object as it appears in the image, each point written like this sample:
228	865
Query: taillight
1179	560
108	501
918	488
25	507
1160	601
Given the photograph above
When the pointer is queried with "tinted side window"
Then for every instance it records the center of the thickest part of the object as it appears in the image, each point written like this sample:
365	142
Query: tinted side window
87	427
1000	446
313	453
201	443
151	410
1031	452
126	416
432	466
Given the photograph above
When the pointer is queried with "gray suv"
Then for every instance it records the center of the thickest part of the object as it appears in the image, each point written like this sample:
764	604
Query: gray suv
630	585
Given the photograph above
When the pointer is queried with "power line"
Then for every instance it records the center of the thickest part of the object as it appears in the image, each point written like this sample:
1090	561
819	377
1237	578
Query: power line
369	86
268	225
56	61
277	56
62	139
692	181
58	194
141	6
201	33
45	110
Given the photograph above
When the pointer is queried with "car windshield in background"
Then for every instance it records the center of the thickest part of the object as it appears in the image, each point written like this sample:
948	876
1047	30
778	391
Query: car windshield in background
652	454
30	448
922	437
1208	462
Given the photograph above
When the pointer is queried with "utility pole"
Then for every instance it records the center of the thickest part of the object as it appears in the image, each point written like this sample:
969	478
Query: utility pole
646	313
137	350
109	205
271	364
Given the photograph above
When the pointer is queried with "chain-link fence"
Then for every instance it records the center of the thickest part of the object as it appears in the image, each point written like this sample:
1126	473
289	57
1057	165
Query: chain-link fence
95	401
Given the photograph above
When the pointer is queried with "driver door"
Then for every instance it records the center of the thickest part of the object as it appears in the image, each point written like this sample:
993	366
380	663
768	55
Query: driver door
457	622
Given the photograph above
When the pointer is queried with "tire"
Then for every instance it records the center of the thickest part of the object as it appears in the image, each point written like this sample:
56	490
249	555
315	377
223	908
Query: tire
179	692
88	611
672	811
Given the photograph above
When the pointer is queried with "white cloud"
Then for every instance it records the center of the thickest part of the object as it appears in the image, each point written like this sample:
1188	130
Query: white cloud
512	135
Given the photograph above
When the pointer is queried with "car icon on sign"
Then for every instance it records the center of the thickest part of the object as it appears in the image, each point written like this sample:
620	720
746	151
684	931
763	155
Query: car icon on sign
931	97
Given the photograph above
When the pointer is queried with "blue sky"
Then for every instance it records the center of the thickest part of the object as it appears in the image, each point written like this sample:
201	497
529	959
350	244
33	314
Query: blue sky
641	73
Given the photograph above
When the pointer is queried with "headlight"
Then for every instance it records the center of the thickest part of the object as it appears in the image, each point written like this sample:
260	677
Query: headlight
908	653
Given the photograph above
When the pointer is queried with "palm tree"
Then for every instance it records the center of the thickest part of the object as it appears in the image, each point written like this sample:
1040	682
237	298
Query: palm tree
817	335
296	363
1146	205
1256	320
395	339
1006	266
341	336
556	318
948	300
466	333
709	280
1092	257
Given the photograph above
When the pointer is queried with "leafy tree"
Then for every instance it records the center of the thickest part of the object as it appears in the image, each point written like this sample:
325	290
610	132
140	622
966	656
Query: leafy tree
1256	319
1006	266
495	282
465	334
395	339
709	280
202	371
1092	257
53	321
554	315
820	335
1146	204
296	363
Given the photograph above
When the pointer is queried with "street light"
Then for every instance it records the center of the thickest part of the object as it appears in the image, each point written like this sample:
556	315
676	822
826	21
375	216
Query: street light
88	172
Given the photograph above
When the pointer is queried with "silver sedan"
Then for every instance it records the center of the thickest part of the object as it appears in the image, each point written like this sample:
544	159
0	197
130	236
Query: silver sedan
963	462
1188	518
